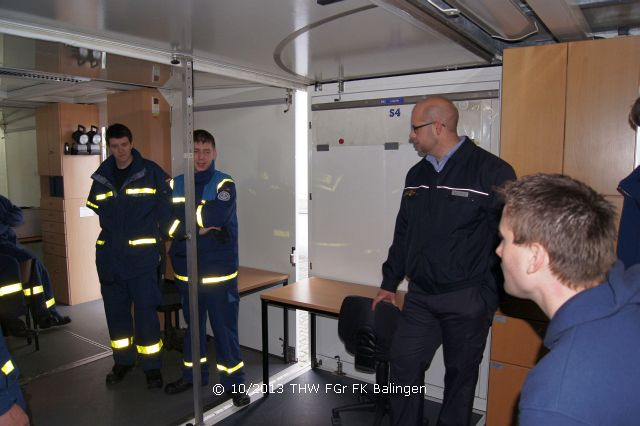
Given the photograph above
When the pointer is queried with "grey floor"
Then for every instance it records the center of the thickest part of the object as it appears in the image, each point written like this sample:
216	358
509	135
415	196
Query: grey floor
64	382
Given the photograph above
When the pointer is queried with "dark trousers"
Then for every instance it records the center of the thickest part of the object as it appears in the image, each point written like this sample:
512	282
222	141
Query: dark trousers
459	321
144	293
220	302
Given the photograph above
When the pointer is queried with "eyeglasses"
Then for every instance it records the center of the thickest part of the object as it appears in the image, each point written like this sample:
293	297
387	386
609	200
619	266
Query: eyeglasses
420	126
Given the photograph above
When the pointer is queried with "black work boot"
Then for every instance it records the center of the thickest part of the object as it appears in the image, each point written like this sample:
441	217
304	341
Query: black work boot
240	399
154	378
178	386
117	373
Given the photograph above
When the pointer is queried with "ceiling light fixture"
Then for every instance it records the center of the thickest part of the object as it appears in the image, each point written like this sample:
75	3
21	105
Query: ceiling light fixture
502	19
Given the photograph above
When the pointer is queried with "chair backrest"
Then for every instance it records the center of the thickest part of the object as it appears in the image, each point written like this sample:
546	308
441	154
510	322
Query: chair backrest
385	322
367	334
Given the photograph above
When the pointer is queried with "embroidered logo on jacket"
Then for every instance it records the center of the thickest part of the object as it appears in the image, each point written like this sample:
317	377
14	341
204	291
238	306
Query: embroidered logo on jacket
224	196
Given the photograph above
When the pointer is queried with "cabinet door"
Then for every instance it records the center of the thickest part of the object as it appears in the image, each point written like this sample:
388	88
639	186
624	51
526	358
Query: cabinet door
517	341
533	108
505	384
602	85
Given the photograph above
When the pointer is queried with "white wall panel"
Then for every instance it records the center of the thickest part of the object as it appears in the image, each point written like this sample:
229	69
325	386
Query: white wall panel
255	146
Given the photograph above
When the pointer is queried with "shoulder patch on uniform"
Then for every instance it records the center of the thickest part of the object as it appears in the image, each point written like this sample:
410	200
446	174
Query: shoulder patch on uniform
224	196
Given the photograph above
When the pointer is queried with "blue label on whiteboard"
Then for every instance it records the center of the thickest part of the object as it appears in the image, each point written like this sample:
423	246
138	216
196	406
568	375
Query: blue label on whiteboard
391	101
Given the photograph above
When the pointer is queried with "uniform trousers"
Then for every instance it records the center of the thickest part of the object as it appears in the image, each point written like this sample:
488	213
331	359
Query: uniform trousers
118	295
220	302
459	321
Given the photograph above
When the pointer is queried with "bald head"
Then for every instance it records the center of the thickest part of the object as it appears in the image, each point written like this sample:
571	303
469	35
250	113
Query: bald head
438	108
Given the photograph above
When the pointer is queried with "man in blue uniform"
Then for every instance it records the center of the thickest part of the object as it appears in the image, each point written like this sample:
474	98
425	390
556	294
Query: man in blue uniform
444	242
35	280
12	404
215	197
131	196
557	250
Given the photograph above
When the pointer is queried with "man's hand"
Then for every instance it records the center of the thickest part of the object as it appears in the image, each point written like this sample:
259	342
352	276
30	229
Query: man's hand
384	295
14	417
203	231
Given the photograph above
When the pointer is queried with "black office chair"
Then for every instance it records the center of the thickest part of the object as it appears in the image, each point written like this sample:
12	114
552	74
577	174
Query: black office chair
367	336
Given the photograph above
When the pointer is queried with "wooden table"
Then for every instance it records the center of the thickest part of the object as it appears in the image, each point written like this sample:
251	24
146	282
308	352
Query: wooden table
318	296
251	280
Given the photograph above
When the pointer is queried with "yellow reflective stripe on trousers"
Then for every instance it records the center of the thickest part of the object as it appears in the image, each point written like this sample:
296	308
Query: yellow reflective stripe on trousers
135	191
173	227
8	367
209	280
9	289
190	364
142	241
121	343
222	182
90	204
177	200
199	216
36	290
101	197
150	350
230	370
171	183
50	302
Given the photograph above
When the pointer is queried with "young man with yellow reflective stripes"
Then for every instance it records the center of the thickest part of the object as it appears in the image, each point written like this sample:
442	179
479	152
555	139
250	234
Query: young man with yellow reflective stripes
131	196
215	197
34	275
12	403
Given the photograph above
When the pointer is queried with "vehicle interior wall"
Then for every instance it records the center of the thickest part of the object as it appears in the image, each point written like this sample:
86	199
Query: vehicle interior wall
255	146
359	159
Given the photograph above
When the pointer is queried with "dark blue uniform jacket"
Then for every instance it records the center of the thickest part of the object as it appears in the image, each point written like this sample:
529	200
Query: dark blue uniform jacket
446	231
217	250
130	217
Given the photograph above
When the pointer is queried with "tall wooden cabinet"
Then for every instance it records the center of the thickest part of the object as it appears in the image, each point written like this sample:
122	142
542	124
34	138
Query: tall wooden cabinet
564	110
146	113
69	229
516	346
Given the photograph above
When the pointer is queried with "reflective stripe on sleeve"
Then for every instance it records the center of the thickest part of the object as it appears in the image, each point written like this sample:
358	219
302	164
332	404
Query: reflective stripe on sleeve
8	367
90	204
174	226
222	182
104	196
199	216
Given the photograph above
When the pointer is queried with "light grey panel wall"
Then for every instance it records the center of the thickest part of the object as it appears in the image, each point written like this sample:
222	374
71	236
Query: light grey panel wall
22	168
256	147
